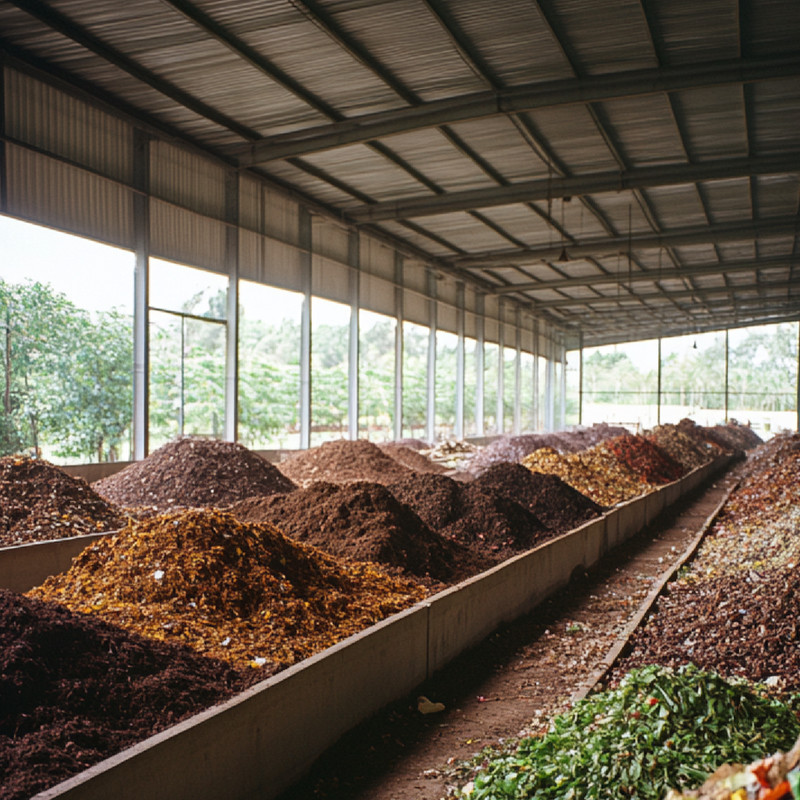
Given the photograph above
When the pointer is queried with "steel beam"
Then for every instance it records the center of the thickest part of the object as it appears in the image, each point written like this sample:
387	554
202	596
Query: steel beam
398	345
430	405
460	359
232	310
354	261
304	240
545	94
654	275
480	364
709	234
576	186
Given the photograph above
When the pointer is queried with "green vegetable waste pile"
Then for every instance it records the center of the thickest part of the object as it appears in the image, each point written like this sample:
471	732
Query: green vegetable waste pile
659	729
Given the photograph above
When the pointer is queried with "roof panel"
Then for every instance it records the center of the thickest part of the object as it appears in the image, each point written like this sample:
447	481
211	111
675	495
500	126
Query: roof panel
778	195
461	229
728	201
677	206
713	121
777	116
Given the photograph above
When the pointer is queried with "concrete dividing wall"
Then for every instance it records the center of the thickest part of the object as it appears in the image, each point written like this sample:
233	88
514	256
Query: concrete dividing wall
94	472
262	741
28	565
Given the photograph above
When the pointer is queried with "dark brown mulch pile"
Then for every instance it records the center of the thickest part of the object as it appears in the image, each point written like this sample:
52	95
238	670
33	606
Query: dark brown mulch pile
410	458
363	521
483	519
75	690
190	473
743	627
341	461
554	502
39	501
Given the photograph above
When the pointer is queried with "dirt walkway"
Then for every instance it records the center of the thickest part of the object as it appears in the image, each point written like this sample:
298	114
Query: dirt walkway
515	681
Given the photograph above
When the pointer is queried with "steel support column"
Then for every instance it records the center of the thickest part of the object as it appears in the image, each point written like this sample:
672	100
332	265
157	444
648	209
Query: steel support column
562	405
354	260
726	375
232	311
141	295
658	388
305	328
500	409
580	378
549	389
480	363
398	346
535	375
797	399
518	372
460	359
430	413
3	160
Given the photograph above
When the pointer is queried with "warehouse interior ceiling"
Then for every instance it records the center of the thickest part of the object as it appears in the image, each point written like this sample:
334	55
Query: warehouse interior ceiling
621	170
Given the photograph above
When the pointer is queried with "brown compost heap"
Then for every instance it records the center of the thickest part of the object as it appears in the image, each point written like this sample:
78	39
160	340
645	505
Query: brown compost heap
242	593
735	609
190	473
363	521
485	520
39	501
411	458
553	501
686	450
75	690
341	461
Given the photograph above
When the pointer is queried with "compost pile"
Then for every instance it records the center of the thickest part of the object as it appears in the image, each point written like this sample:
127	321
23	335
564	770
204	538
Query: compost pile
411	458
39	501
687	451
487	521
709	436
659	729
646	459
242	593
554	502
364	522
596	473
451	453
341	461
739	437
736	609
75	690
191	473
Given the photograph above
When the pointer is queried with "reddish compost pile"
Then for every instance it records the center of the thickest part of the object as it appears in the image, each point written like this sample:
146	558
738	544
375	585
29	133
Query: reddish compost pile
341	461
411	458
242	593
364	521
190	473
39	501
75	690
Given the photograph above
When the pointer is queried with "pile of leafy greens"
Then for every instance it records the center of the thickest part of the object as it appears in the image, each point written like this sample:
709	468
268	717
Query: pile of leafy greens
660	729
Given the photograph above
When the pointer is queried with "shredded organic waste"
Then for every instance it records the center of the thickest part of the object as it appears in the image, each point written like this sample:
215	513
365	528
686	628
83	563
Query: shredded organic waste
242	593
659	729
687	451
736	607
39	501
597	473
193	472
75	690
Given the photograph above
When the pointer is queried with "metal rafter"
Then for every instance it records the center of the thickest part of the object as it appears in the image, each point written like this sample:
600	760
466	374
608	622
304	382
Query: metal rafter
577	186
727	232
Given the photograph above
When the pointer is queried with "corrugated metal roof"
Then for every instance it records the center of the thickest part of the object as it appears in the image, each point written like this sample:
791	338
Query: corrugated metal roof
412	100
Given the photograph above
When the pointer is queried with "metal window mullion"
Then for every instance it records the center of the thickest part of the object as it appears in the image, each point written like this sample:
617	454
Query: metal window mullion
726	376
232	310
480	364
518	373
500	410
549	389
398	346
562	404
535	375
141	295
3	155
658	387
460	359
304	219
430	415
353	258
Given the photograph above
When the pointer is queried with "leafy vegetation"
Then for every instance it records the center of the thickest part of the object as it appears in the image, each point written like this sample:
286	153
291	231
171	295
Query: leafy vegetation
659	729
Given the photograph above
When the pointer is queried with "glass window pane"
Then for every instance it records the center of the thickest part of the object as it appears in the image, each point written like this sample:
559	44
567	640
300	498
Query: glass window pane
176	287
376	376
269	367
330	331
66	324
